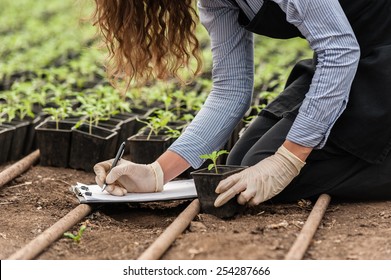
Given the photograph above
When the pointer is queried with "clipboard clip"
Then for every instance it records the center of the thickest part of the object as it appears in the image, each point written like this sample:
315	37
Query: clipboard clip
78	190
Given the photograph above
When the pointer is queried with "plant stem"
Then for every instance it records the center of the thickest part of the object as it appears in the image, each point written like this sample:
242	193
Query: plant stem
214	163
149	134
90	126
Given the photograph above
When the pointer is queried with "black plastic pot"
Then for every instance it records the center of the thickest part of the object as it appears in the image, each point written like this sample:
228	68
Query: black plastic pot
18	141
54	144
74	119
6	135
179	125
30	142
145	151
206	182
112	124
130	126
88	149
127	127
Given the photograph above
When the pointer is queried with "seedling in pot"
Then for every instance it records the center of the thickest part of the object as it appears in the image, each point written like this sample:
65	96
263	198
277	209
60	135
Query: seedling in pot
59	113
9	109
187	118
114	103
154	124
173	133
158	123
206	181
93	110
213	157
7	114
179	98
24	109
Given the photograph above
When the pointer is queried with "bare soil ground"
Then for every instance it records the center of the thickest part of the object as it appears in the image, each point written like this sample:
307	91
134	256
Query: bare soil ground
37	199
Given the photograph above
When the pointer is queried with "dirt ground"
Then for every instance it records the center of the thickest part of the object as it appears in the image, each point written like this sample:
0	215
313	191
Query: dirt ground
37	199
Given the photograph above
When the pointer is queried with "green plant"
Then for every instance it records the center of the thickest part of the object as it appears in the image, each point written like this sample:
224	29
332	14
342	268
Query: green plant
24	109
194	101
76	237
93	110
155	125
114	102
3	115
7	114
179	101
159	122
58	114
167	100
38	97
187	117
213	157
135	95
10	108
173	133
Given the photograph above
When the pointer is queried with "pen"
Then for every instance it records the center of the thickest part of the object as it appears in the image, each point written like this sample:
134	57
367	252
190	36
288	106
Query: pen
116	160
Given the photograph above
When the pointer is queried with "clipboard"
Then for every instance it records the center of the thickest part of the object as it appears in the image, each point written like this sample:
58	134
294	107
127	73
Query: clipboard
174	190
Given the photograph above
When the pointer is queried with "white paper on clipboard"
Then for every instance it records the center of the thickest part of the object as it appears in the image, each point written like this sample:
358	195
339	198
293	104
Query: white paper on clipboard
174	190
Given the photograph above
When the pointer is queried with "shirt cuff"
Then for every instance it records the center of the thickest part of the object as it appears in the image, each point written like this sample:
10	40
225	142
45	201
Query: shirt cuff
190	147
307	132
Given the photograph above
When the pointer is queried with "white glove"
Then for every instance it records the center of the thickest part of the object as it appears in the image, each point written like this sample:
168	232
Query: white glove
262	181
128	176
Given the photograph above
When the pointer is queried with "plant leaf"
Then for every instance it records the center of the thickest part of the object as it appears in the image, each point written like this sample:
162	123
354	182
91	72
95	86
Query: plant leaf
205	156
81	230
222	152
70	235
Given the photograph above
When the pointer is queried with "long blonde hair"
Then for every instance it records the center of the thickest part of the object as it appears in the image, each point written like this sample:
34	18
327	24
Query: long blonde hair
148	39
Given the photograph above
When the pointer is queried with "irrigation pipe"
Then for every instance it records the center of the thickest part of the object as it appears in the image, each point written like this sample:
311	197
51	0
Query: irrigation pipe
18	168
164	241
42	241
304	238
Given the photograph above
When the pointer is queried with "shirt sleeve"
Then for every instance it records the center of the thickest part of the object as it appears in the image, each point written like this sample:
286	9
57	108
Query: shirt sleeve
328	31
232	75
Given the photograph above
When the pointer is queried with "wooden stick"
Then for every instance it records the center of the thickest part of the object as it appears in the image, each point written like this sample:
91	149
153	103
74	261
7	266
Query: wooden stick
42	241
303	240
164	241
18	168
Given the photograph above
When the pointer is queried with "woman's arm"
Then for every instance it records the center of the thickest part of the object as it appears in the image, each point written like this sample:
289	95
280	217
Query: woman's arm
232	74
172	165
325	26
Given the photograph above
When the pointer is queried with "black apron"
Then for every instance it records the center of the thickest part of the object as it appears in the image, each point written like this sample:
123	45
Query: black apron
364	128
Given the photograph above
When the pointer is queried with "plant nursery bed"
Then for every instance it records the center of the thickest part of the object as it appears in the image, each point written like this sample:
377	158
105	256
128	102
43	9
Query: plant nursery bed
40	197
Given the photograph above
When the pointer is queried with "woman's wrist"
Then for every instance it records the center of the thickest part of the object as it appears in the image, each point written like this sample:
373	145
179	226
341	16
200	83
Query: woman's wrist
300	151
172	165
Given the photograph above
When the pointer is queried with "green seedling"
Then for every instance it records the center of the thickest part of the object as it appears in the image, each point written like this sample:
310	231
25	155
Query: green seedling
78	236
187	118
92	110
179	98
114	103
173	133
3	115
7	114
159	123
213	157
57	114
154	124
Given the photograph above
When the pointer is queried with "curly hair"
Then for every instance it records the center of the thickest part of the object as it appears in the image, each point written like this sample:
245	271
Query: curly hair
148	39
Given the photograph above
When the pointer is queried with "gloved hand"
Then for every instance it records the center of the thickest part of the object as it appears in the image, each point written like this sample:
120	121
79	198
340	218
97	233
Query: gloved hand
128	176
262	181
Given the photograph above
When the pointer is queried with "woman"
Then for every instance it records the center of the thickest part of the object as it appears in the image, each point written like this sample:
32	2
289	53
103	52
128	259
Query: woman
329	131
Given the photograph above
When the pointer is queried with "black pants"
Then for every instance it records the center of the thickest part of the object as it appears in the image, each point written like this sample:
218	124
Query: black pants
329	170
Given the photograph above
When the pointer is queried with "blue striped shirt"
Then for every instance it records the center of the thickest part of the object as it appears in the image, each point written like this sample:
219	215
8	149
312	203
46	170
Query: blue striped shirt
322	23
